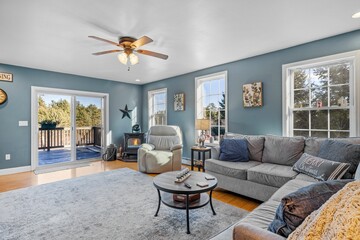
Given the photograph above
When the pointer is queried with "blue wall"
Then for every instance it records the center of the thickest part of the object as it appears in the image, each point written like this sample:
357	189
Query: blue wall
16	140
265	120
266	68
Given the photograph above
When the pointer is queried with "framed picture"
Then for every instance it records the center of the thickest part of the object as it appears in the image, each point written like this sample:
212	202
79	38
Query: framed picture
179	102
252	94
7	77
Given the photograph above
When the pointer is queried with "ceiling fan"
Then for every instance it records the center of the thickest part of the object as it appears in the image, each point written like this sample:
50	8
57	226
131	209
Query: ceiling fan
129	46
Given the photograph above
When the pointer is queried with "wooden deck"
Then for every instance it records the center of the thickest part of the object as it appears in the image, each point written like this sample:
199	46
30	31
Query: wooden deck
64	155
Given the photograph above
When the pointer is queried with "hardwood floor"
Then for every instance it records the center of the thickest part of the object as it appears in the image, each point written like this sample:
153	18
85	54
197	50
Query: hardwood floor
27	179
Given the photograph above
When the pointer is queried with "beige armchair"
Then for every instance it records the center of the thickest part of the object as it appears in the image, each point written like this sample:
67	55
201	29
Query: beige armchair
162	151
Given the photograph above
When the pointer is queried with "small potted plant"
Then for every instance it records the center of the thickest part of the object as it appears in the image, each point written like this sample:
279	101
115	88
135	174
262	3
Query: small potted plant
48	124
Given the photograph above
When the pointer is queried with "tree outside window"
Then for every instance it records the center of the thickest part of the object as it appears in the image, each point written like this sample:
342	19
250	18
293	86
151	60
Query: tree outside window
321	100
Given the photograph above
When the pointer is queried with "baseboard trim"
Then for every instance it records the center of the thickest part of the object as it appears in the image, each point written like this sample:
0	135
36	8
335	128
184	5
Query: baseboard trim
7	171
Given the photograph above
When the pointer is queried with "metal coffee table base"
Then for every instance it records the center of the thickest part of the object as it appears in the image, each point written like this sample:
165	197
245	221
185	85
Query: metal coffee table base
167	199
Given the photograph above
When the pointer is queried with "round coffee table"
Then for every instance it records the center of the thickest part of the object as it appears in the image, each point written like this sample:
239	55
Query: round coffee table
165	182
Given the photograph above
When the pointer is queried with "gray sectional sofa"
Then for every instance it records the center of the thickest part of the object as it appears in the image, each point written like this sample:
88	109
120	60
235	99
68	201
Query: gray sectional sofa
268	177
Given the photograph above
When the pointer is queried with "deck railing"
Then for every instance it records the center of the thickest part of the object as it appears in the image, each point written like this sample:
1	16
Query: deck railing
61	137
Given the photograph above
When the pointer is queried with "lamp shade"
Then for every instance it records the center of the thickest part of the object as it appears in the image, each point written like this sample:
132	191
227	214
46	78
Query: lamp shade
202	124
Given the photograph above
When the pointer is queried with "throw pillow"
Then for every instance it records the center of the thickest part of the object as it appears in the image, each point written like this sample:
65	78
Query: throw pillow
234	150
296	206
341	152
255	144
320	168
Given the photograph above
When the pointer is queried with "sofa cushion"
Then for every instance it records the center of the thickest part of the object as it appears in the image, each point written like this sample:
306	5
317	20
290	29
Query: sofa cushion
271	174
231	169
320	168
305	177
341	152
296	206
312	144
246	231
289	187
263	215
255	144
283	150
234	150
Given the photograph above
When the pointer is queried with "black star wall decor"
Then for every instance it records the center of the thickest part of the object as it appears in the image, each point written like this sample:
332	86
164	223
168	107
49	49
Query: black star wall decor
125	112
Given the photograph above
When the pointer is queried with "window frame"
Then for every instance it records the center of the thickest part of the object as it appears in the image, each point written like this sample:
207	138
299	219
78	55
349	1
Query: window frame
209	77
151	104
354	89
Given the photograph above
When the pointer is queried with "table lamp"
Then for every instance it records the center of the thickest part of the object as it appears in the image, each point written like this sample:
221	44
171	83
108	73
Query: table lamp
203	125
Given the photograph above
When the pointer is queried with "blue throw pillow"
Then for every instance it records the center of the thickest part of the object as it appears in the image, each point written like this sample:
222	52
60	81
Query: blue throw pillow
296	206
234	150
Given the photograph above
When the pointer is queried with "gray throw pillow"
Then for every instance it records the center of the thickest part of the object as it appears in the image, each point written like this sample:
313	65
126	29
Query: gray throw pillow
296	206
341	152
320	168
283	150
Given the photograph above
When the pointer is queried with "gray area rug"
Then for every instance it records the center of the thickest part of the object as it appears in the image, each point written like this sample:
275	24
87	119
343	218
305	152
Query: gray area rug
119	204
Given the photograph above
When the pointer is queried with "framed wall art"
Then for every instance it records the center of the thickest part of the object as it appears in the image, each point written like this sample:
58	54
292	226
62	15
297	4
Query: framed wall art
179	102
6	77
252	94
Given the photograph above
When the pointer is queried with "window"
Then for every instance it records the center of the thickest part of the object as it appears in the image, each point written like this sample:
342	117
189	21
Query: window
319	97
157	107
211	98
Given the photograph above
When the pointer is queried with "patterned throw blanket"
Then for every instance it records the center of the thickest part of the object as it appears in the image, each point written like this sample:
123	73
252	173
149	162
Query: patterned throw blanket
338	218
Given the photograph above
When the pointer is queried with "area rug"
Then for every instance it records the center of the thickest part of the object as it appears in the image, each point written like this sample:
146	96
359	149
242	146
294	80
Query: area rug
118	204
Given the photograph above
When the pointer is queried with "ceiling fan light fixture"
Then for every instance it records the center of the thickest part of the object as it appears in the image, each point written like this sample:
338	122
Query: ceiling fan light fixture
133	59
356	15
123	58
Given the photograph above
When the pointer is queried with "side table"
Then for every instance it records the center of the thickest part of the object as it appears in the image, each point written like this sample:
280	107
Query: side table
200	150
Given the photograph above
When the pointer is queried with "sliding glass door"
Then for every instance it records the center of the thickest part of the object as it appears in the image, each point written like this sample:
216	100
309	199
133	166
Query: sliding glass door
54	129
89	122
70	126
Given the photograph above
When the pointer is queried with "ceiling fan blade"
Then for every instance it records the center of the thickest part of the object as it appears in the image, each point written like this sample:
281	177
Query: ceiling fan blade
106	52
105	40
153	54
141	41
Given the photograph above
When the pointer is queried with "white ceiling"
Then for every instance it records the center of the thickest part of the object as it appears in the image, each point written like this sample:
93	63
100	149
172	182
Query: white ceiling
196	34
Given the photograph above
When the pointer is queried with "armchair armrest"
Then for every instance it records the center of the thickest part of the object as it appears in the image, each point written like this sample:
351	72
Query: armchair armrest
176	147
147	146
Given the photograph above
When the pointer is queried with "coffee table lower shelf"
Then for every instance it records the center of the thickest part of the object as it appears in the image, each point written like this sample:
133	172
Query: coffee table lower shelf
168	200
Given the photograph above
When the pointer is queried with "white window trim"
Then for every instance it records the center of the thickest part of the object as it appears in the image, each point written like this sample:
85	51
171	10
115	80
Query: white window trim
354	104
150	102
207	78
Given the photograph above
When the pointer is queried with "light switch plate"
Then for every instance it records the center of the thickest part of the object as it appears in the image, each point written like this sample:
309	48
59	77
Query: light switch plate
23	123
7	156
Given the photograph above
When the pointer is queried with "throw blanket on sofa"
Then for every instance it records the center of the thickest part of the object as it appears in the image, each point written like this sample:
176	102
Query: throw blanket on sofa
338	218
